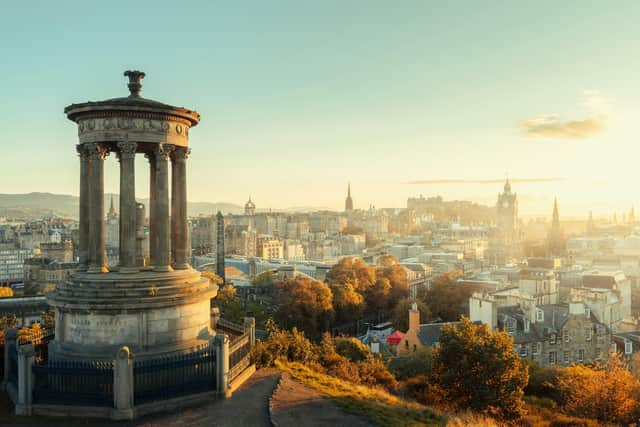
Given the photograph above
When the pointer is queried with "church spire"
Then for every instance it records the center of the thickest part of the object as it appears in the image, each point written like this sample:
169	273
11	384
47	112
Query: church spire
555	219
348	203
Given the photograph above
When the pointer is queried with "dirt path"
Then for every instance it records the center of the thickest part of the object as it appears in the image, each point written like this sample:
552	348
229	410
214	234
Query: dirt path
296	405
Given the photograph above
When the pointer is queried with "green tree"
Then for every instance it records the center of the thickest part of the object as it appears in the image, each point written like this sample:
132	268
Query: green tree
400	318
305	303
447	299
477	369
228	303
265	279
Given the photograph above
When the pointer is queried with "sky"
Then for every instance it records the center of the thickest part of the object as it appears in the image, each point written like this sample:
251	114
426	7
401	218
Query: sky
298	98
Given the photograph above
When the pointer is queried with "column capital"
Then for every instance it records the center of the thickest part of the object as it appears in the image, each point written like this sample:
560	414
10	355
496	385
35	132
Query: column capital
83	150
98	151
180	153
163	151
126	150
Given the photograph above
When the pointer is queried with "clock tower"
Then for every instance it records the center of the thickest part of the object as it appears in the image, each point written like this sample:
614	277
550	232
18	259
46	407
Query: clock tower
507	207
505	239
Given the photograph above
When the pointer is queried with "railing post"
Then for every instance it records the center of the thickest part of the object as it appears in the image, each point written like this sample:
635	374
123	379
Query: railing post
123	385
10	336
26	359
250	329
222	365
215	316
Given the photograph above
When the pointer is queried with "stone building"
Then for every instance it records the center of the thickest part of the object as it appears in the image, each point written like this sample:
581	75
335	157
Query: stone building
269	248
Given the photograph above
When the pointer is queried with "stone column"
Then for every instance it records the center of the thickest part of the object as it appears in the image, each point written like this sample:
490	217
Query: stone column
179	224
161	206
26	359
127	156
152	207
140	236
123	385
83	229
97	256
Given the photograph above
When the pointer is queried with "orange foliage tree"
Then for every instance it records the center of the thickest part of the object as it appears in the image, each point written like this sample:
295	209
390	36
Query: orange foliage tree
305	303
608	393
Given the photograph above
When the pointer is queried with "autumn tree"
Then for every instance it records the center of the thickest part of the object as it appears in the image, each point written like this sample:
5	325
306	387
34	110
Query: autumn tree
608	393
354	271
401	313
477	369
389	268
447	299
213	277
347	303
377	297
5	292
305	303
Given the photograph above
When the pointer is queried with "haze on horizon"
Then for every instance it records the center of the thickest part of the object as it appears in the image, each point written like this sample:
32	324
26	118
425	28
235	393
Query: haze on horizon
298	98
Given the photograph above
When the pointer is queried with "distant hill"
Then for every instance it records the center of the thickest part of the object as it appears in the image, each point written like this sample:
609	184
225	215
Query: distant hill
32	205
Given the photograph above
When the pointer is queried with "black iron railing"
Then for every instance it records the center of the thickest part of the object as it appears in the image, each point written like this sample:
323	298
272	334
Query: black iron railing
174	376
239	356
12	351
73	382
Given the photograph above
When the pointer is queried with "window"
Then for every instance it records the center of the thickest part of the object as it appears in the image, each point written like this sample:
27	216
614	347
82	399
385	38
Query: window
538	348
565	335
406	344
565	357
580	355
539	315
510	325
588	333
552	339
552	357
524	350
415	347
628	347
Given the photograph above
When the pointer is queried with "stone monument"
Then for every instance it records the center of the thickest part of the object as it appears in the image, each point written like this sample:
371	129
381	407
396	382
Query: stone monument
155	308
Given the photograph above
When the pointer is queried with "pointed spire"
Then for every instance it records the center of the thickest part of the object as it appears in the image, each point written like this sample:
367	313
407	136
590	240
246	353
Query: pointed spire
556	216
632	215
349	189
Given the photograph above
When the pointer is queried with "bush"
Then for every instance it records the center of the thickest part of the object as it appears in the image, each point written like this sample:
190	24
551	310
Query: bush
607	393
352	348
543	382
418	363
289	345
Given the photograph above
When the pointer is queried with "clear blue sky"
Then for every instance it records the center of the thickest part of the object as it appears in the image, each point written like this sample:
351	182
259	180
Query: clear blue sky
299	97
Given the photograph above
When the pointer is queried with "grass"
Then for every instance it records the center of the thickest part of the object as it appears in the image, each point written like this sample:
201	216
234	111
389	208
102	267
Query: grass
376	404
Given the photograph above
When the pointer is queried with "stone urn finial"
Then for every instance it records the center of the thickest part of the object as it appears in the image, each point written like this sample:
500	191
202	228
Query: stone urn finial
134	82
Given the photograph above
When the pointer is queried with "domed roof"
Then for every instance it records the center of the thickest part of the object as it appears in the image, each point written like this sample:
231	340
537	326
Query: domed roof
133	102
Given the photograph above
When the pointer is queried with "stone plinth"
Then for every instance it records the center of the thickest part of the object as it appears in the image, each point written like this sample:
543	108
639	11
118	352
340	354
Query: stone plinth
151	313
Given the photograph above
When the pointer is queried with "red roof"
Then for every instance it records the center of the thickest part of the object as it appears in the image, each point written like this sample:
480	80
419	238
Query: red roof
395	338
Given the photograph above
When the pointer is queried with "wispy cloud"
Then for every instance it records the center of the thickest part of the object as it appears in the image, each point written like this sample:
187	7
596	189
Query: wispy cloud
483	181
552	127
597	109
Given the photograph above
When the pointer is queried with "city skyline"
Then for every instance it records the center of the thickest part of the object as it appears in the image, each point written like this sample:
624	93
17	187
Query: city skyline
400	101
